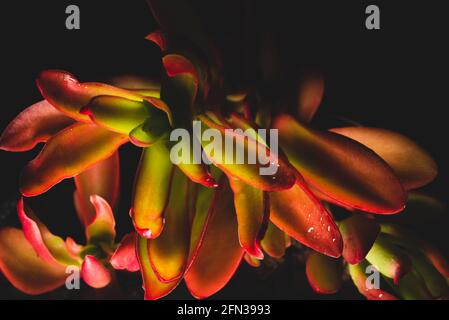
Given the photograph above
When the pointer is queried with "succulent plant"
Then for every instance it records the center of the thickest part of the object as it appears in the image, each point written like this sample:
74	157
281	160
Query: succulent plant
196	222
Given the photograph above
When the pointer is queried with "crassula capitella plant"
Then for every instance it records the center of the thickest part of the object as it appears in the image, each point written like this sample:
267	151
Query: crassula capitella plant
197	222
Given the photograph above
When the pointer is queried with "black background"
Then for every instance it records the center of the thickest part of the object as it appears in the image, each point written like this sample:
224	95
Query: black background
394	78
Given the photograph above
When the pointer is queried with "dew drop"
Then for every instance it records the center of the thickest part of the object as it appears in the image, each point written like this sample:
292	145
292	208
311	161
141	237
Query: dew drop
310	229
147	233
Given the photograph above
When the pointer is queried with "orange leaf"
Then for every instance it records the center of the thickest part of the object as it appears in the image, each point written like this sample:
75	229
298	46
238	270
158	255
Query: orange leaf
67	154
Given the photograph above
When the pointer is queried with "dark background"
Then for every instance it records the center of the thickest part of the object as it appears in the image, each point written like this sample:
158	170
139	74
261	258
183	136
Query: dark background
394	78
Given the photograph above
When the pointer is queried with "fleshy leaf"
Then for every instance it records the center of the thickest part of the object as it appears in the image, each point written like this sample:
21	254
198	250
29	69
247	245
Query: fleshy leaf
412	287
360	279
179	91
274	241
359	234
35	124
94	273
389	259
125	257
169	252
252	208
102	228
411	241
50	248
159	38
148	133
123	115
138	84
73	248
205	202
67	154
198	173
176	64
154	289
180	88
283	177
341	168
115	113
151	190
411	163
325	274
253	262
63	91
220	253
102	179
310	94
299	214
434	281
23	268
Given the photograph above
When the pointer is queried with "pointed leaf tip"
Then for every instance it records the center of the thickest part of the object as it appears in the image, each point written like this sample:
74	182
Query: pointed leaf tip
301	215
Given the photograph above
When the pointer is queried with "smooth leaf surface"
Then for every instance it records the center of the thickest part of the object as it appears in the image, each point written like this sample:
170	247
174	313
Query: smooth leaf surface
220	253
168	253
359	234
154	289
411	163
67	154
35	124
341	168
299	214
144	86
324	273
282	178
151	190
63	91
205	202
252	208
23	268
117	114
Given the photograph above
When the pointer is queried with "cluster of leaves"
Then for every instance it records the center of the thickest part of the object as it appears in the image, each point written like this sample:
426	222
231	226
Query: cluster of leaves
195	222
